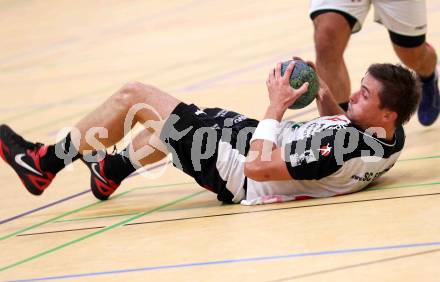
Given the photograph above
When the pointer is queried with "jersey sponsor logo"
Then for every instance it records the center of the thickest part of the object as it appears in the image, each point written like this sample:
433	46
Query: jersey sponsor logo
216	126
337	127
238	119
199	112
20	162
325	150
307	156
297	125
312	129
339	118
221	113
371	176
367	177
321	124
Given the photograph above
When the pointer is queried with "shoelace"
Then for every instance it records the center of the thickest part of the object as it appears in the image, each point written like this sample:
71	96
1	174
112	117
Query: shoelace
114	152
123	154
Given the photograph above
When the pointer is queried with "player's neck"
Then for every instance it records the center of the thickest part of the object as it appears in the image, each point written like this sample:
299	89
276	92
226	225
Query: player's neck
388	128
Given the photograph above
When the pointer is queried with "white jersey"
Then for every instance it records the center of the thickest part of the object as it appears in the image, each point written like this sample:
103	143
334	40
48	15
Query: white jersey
327	156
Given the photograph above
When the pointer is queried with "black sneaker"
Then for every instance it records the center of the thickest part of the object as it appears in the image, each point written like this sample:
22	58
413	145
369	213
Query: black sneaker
102	186
429	107
24	157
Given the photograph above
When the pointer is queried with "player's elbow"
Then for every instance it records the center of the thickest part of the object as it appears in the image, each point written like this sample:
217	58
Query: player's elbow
256	171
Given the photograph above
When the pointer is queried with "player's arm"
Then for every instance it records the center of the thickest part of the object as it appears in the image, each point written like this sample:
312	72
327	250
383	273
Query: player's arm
264	165
327	105
264	161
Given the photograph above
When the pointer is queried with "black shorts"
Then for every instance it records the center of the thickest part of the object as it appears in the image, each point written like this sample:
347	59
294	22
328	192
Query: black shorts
192	136
405	41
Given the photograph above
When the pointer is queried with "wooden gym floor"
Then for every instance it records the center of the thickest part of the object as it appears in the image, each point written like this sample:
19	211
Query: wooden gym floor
59	60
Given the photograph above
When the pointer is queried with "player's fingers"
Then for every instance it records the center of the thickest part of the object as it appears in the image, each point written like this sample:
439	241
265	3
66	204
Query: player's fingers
312	65
297	58
288	72
303	89
278	71
271	76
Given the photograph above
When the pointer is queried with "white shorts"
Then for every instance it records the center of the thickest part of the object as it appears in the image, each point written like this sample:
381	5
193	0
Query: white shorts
404	17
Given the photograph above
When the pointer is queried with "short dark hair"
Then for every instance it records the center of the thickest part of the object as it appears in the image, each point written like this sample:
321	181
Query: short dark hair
401	89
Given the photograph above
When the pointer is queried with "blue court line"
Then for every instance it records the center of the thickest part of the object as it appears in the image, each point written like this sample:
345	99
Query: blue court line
45	206
69	197
239	260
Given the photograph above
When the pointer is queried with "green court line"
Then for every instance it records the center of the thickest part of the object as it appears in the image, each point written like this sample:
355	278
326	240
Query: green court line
193	208
123	222
164	185
179	209
83	208
419	158
95	217
125	214
72	242
57	217
135	217
402	186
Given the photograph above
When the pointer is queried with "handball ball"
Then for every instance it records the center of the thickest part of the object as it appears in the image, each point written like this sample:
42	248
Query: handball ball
302	73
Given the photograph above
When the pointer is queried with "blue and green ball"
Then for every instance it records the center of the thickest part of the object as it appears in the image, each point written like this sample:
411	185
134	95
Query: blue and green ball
302	73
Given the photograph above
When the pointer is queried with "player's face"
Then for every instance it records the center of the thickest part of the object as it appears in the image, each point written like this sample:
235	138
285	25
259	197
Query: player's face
364	107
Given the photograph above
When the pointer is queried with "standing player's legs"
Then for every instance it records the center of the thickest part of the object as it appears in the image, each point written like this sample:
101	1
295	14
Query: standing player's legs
332	33
334	21
423	60
406	22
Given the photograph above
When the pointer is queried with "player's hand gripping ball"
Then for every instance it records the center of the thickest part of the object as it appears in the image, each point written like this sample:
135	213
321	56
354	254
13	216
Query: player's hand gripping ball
300	74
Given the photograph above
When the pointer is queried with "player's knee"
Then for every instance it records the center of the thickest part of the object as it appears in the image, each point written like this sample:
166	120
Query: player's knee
328	47
132	92
127	95
133	88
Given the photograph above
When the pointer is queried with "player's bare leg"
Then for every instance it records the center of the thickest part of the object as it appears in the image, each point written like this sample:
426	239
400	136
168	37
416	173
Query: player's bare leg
134	102
423	60
37	164
332	33
112	114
